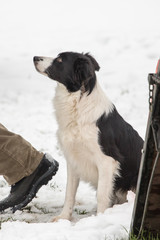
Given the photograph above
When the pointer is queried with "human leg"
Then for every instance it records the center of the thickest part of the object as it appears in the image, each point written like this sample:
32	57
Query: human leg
18	158
26	169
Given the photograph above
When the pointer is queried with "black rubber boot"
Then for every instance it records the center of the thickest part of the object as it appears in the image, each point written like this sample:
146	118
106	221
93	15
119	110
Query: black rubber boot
25	190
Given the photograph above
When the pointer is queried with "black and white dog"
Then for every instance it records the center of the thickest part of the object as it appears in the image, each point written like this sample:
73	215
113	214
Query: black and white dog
99	146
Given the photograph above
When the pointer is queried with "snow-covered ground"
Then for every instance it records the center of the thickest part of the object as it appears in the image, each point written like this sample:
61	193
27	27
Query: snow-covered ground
124	37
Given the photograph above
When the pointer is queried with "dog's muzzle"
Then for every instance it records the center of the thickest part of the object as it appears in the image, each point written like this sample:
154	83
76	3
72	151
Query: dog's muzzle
42	63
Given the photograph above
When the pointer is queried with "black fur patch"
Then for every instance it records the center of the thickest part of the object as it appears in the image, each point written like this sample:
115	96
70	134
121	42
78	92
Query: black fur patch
75	71
119	140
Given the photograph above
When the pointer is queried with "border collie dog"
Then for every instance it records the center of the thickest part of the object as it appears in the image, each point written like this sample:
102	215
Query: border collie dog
100	147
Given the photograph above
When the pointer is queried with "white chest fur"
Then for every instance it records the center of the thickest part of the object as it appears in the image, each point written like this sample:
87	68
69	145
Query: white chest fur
78	133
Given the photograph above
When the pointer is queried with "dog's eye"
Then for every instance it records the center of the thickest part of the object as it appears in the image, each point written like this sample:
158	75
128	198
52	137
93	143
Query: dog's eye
59	59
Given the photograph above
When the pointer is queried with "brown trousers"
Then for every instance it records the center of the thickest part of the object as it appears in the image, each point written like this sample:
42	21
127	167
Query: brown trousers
18	158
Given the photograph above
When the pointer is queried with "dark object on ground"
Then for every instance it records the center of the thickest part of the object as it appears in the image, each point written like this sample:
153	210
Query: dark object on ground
25	190
146	213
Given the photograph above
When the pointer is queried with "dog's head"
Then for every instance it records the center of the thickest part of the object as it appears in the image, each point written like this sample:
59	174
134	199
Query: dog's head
74	70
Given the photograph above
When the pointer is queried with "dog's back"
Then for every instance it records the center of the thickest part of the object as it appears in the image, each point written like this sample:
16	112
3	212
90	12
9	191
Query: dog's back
119	140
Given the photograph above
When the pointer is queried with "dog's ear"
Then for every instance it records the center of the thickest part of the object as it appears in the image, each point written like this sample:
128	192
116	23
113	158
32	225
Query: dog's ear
83	69
94	62
84	76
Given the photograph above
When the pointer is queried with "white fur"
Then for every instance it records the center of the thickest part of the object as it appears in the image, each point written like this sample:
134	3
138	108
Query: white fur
43	64
78	136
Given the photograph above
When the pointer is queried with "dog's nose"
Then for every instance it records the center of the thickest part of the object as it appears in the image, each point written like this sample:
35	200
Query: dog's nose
37	59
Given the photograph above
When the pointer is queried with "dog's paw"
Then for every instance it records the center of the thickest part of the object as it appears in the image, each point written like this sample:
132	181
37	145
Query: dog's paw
57	218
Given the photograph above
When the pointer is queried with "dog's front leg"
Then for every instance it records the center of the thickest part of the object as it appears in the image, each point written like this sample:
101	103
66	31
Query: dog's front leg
106	171
71	189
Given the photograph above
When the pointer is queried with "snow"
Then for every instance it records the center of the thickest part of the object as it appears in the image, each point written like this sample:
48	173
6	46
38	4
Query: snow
124	37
